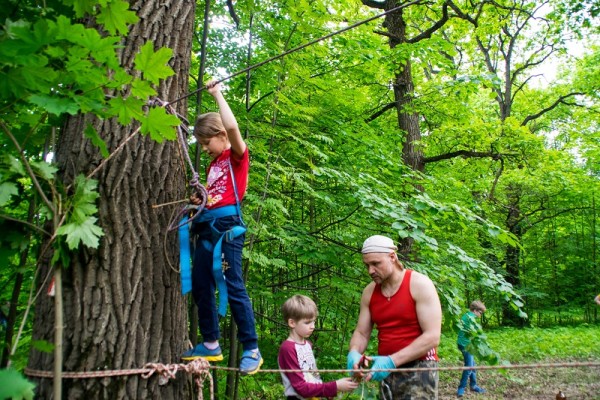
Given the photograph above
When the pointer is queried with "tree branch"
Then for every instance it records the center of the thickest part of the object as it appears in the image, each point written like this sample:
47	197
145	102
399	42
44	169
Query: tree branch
560	100
34	179
496	179
29	224
382	111
427	34
233	14
466	154
374	4
321	229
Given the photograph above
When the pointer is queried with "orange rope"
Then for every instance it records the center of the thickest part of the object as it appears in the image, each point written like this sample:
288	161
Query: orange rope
199	369
169	370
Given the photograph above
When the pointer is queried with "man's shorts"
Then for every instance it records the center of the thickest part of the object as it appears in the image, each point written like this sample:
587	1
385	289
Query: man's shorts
414	385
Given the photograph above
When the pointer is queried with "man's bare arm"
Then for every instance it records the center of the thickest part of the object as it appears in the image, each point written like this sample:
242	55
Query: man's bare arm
362	333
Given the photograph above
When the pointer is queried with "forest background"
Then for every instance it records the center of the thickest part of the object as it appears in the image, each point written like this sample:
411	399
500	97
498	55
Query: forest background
467	131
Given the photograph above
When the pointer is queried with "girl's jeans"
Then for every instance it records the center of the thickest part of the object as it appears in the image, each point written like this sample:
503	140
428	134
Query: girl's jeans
203	284
467	373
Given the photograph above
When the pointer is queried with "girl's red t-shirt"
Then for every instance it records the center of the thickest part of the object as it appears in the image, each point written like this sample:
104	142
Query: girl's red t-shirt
219	184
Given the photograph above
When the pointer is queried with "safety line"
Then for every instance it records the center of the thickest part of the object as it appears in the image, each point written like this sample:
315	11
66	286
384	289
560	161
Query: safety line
405	5
198	368
421	369
154	366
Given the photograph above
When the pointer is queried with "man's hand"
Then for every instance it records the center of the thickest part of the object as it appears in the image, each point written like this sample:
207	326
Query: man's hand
381	363
354	358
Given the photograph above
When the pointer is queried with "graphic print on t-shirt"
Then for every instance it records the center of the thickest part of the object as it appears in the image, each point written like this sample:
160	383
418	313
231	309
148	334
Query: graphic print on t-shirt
217	181
306	360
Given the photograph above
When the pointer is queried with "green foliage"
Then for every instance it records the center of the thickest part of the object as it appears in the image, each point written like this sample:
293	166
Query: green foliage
15	386
153	65
327	167
52	65
535	344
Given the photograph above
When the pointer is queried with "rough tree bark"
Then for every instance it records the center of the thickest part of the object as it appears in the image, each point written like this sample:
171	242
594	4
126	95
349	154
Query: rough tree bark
122	302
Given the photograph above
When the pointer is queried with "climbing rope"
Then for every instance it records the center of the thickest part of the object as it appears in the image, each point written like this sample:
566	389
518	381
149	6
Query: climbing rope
201	366
199	369
177	221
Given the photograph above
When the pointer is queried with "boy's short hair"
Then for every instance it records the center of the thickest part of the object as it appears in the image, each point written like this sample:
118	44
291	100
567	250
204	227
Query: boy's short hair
477	305
299	307
208	125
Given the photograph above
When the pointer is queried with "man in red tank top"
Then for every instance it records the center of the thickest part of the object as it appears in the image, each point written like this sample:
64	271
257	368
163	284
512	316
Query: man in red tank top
405	308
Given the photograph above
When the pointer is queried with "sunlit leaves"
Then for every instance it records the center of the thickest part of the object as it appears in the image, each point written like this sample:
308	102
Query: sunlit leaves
160	125
84	232
116	17
7	189
55	105
154	64
127	109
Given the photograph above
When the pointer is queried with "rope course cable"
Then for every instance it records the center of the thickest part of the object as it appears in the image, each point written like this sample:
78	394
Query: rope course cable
181	138
165	369
457	368
200	370
392	10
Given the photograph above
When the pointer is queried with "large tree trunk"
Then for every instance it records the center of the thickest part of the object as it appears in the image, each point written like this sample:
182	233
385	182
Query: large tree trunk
122	302
408	121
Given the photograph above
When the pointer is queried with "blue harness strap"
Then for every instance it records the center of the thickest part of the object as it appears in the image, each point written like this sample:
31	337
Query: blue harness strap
215	248
184	256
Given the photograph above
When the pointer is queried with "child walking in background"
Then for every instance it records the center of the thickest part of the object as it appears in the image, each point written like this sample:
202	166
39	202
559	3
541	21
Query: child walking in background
217	261
469	325
295	353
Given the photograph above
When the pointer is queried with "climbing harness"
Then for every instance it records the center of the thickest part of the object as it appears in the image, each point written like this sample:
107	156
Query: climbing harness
215	243
196	214
186	215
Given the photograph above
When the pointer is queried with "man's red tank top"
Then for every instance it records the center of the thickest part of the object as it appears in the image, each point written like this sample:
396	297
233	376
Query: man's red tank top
396	320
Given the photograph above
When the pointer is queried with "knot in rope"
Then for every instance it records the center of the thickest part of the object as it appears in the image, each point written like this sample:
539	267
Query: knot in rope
166	372
157	102
199	369
195	181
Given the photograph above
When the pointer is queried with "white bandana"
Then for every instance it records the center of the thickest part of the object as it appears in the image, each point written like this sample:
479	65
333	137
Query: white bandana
378	244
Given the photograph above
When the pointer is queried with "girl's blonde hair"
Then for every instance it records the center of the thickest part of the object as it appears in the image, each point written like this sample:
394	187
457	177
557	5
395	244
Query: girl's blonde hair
299	307
208	125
